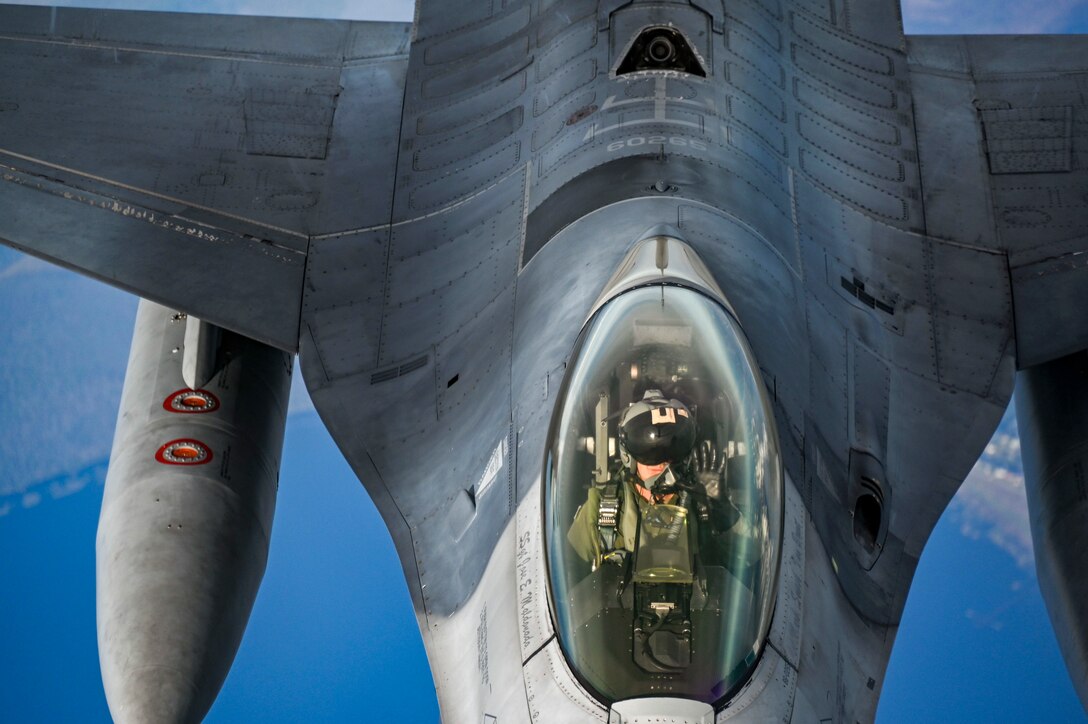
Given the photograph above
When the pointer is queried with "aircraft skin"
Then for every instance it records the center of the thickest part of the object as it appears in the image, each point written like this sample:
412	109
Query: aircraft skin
431	215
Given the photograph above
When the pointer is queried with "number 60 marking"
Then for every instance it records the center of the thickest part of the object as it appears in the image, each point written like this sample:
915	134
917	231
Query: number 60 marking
636	141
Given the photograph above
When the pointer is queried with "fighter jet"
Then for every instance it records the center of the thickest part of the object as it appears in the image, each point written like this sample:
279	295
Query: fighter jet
660	332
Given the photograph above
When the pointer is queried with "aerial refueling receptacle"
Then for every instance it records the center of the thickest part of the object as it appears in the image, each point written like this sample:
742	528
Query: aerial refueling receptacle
186	515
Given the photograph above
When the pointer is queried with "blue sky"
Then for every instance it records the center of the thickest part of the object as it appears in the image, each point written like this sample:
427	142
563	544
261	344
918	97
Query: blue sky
333	637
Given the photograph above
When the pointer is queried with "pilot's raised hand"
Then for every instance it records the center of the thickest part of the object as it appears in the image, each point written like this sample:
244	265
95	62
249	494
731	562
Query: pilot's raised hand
708	463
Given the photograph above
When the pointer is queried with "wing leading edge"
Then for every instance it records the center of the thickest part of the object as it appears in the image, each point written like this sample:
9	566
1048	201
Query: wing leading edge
190	159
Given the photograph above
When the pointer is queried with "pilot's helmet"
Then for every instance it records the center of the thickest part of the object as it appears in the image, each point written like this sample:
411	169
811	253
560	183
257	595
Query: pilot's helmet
657	430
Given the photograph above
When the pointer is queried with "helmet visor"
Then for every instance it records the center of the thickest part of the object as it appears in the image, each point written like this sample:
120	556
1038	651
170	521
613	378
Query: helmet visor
663	434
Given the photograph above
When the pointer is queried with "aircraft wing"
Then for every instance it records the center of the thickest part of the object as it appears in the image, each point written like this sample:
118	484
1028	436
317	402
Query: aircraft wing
191	159
1002	126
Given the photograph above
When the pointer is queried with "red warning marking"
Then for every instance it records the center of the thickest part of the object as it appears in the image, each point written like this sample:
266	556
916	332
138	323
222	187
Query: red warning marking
184	451
191	401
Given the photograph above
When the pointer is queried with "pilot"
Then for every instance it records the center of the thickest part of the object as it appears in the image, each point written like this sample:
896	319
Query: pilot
656	437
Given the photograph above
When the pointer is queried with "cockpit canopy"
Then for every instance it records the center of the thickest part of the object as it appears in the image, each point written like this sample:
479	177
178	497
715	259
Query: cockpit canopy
663	576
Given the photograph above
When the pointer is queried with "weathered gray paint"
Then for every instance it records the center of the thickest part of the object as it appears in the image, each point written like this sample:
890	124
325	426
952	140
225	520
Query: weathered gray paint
1004	148
190	158
897	223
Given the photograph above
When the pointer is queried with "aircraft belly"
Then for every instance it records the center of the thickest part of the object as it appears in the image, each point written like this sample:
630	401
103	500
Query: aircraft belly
521	183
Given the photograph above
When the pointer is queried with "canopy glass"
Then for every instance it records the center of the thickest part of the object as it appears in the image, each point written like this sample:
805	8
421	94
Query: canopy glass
663	575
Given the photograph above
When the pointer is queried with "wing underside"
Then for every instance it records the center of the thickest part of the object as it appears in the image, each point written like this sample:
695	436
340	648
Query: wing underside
190	159
1002	125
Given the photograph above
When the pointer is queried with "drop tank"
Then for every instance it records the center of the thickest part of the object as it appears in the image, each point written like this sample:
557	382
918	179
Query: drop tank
186	514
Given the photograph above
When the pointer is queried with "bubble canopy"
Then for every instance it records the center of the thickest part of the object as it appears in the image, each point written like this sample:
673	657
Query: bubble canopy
663	576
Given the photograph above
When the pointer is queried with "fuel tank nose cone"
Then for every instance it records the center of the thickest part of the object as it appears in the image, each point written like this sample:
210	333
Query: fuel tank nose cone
152	694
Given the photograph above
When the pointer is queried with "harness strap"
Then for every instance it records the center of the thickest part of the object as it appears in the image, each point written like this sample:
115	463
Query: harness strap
608	514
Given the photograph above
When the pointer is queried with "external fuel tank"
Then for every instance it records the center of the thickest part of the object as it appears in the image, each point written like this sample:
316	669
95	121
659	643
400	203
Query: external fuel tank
187	512
1052	413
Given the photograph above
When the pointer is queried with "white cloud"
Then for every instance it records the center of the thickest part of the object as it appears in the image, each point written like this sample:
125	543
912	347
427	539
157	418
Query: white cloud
24	266
58	490
992	503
